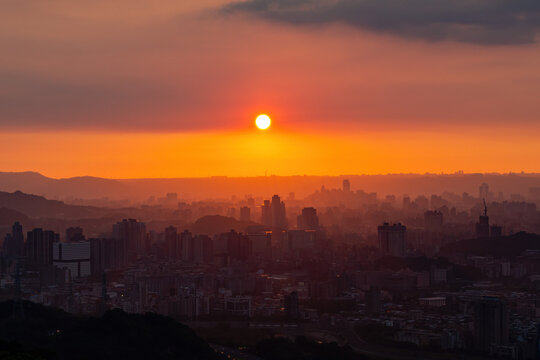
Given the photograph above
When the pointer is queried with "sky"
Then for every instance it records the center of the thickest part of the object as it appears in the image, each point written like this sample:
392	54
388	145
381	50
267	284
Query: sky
129	88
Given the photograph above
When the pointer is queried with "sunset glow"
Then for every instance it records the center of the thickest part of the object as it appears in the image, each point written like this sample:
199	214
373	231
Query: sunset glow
342	97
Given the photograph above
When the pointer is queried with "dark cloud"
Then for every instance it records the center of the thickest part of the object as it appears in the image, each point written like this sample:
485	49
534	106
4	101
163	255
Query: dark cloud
490	22
32	100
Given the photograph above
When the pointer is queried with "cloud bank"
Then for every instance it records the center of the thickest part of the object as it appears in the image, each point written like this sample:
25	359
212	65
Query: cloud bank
487	22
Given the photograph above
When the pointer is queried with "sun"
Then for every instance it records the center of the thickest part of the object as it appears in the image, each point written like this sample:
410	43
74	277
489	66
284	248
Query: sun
263	122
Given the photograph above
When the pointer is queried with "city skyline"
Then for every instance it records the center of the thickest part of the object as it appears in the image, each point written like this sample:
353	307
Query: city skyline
270	179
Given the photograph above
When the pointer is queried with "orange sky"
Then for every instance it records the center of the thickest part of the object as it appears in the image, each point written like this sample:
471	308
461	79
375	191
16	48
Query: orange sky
127	89
254	152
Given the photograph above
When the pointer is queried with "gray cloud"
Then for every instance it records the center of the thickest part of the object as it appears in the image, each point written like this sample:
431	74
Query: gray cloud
489	22
37	101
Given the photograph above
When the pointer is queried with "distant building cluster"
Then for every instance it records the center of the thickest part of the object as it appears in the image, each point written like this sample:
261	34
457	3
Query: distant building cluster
431	272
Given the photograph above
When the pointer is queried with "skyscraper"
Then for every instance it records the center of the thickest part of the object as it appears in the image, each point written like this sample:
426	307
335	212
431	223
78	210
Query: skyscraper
266	213
490	323
203	250
392	239
433	221
105	254
188	246
14	243
245	213
132	234
39	246
346	185
172	243
74	256
482	226
290	305
308	220
279	219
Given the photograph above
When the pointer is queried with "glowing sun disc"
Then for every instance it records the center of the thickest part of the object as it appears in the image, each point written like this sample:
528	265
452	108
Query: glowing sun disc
263	122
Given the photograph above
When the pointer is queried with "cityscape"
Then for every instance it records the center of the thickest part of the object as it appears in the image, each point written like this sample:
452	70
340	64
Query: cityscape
392	276
270	180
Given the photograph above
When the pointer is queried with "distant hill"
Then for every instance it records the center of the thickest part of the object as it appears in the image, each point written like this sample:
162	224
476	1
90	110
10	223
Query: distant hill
37	206
217	224
85	187
9	216
47	333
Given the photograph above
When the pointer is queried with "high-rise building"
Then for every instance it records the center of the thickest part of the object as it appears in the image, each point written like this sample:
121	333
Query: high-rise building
266	213
14	243
261	245
406	202
308	220
482	226
299	240
273	213
73	256
392	239
188	246
203	251
346	185
172	243
105	254
245	213
290	305
39	246
490	324
373	300
279	219
433	221
132	234
239	246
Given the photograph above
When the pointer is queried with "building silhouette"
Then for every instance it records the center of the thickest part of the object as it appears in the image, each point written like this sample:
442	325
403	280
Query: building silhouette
245	213
273	213
73	256
203	249
346	185
132	235
39	246
290	305
373	301
279	219
490	324
482	226
308	220
266	213
13	245
105	254
433	221
392	239
172	243
187	242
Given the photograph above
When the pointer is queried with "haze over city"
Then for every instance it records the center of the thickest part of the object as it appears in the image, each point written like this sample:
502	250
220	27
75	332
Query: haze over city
270	179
